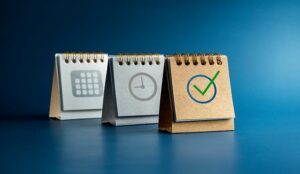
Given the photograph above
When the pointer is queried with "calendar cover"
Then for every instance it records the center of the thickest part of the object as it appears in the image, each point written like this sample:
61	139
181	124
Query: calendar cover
81	83
201	91
138	87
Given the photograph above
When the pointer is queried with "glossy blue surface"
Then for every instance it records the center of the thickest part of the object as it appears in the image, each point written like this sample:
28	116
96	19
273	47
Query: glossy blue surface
259	145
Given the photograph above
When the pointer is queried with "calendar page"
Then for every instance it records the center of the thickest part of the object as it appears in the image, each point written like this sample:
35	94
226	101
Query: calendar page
201	87
137	81
82	80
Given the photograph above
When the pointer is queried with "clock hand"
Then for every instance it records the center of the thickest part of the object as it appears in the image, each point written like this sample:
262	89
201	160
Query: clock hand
142	82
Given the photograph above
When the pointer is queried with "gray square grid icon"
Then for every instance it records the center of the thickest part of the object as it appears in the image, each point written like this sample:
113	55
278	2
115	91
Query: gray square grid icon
87	83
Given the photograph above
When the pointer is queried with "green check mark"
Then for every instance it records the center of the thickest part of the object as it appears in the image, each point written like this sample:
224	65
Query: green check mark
208	86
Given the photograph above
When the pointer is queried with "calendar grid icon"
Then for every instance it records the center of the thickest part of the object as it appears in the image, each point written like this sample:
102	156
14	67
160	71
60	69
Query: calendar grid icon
86	83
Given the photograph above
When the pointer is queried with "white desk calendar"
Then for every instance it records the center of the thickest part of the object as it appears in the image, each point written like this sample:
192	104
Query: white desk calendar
133	89
78	86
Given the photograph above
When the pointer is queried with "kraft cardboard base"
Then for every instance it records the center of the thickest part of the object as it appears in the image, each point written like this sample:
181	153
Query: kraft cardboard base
200	126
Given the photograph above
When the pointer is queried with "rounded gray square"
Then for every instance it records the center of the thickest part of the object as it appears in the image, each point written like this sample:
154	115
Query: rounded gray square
87	83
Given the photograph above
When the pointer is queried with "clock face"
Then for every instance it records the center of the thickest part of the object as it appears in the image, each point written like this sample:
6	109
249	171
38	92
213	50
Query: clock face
142	86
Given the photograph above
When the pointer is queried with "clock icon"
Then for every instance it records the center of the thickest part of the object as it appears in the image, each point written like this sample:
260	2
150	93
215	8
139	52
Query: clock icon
142	86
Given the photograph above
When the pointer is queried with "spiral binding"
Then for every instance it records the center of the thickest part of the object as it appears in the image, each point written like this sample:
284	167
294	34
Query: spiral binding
84	57
195	59
135	59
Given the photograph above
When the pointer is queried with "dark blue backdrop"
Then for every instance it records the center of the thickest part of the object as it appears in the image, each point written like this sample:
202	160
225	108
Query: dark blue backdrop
261	39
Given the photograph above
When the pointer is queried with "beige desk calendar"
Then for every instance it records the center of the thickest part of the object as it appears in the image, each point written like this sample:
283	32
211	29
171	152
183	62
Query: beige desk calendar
133	89
196	94
78	85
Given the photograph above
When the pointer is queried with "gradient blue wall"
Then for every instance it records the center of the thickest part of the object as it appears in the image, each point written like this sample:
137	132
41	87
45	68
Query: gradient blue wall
261	38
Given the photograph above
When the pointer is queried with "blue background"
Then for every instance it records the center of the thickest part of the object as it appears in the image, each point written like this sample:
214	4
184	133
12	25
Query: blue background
261	38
